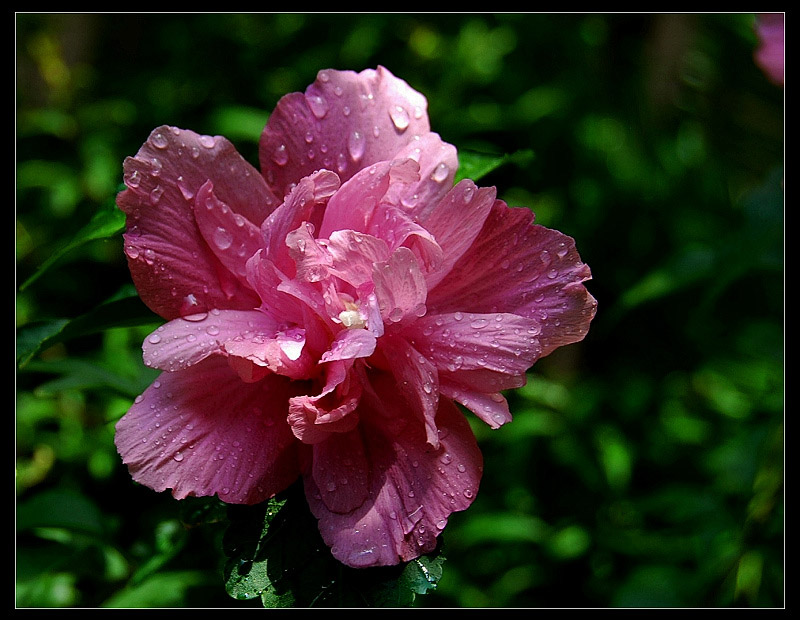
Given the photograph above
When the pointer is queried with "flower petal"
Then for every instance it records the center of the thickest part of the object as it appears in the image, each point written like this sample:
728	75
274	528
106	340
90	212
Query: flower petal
345	121
353	206
162	236
350	344
491	408
412	489
231	237
455	223
541	278
438	162
399	287
417	381
303	204
504	343
201	431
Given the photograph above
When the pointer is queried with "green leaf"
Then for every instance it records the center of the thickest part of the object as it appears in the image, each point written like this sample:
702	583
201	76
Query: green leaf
58	508
164	589
35	337
275	552
474	165
105	224
77	374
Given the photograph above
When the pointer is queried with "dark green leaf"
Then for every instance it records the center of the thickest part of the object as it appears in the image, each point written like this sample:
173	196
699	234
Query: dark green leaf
35	337
105	224
474	165
60	509
275	551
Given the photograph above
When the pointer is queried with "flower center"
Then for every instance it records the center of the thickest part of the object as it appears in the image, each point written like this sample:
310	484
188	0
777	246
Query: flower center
350	317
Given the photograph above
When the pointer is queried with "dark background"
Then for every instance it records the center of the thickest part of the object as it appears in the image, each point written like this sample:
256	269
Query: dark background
644	466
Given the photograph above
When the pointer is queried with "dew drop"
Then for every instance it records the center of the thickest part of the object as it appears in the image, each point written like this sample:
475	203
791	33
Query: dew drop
133	179
154	339
208	141
159	141
222	238
399	117
318	105
177	457
156	193
132	251
212	330
440	173
468	192
280	156
184	189
356	143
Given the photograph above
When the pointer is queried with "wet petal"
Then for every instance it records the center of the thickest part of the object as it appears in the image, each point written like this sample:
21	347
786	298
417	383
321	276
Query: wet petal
344	122
232	238
518	268
412	489
200	431
162	239
400	287
186	341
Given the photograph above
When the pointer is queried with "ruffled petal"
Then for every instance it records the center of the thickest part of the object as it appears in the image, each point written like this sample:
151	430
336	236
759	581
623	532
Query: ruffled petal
417	381
344	122
412	488
173	268
455	223
350	344
188	340
438	163
505	343
518	268
353	206
400	287
231	237
200	431
304	203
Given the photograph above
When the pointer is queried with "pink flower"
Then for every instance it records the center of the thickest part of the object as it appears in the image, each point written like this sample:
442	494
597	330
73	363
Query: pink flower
325	315
769	53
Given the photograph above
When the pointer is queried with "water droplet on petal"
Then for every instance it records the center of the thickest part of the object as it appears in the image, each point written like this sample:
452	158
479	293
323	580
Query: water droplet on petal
156	193
132	251
159	141
280	156
318	105
177	457
133	179
184	189
399	117
222	238
356	144
212	330
440	173
208	141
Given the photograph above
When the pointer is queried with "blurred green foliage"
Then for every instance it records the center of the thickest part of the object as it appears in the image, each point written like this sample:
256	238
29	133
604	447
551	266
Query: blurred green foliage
644	466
